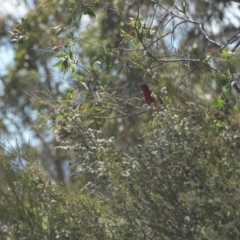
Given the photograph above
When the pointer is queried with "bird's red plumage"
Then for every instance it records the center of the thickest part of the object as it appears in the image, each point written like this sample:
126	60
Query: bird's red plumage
147	94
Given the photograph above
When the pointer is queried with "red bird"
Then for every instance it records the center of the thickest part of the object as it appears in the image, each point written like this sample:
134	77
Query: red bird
147	92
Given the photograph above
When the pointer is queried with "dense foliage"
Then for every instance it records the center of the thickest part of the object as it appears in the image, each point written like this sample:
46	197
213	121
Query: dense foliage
135	171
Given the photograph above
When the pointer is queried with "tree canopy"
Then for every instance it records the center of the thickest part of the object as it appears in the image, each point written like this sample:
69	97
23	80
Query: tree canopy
118	168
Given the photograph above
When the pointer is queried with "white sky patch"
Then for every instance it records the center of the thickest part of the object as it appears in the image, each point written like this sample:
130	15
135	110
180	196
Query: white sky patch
233	14
6	55
16	8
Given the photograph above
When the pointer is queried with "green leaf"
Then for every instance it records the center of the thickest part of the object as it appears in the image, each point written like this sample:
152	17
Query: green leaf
61	117
79	77
69	90
218	102
154	28
94	59
225	55
69	19
58	64
71	55
65	64
104	50
125	36
71	1
72	66
61	55
15	30
132	22
70	35
108	61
